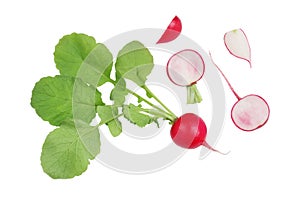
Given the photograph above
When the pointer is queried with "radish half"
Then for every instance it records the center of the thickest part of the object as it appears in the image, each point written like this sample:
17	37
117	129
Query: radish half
237	44
172	31
185	68
250	112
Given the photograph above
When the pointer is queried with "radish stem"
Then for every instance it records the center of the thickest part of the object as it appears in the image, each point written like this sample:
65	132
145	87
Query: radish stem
159	114
193	94
160	102
143	99
170	115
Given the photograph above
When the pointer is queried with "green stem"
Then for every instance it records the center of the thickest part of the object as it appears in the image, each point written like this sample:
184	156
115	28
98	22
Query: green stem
193	94
168	112
145	100
111	81
159	114
159	101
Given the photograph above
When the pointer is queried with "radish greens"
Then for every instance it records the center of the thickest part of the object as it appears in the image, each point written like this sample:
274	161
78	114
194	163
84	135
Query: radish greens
71	100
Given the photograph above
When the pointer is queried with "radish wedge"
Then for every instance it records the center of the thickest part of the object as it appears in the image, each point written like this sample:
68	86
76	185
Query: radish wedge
250	112
237	44
172	31
185	68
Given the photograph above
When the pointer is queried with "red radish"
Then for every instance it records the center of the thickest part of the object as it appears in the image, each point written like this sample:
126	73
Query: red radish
189	131
250	112
237	44
172	31
185	68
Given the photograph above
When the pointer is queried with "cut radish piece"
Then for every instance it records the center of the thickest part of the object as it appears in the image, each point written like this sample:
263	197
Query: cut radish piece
185	68
250	112
237	44
172	31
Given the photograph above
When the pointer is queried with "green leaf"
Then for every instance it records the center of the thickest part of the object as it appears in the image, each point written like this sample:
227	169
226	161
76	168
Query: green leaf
119	93
136	115
67	150
110	113
134	62
79	55
58	98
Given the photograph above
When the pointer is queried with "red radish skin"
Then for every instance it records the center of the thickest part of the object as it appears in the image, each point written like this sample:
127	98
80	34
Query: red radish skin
238	45
189	131
172	31
250	112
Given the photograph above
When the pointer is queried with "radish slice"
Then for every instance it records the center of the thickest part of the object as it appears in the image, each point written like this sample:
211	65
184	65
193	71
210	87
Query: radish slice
237	44
172	31
250	112
185	68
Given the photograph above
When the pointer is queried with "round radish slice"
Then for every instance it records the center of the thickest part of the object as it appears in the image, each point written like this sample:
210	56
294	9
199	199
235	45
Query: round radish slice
185	67
250	112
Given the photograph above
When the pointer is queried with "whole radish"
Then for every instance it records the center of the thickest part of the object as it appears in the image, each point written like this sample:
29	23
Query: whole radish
189	131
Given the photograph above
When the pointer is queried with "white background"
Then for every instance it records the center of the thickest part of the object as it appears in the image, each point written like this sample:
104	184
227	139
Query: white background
262	165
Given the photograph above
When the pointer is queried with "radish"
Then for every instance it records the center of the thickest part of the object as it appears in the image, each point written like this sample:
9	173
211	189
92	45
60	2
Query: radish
249	112
172	31
185	68
189	131
237	44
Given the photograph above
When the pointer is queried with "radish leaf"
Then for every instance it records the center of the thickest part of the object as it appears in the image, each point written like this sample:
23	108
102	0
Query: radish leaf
77	51
119	92
107	113
134	62
67	150
53	99
135	115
